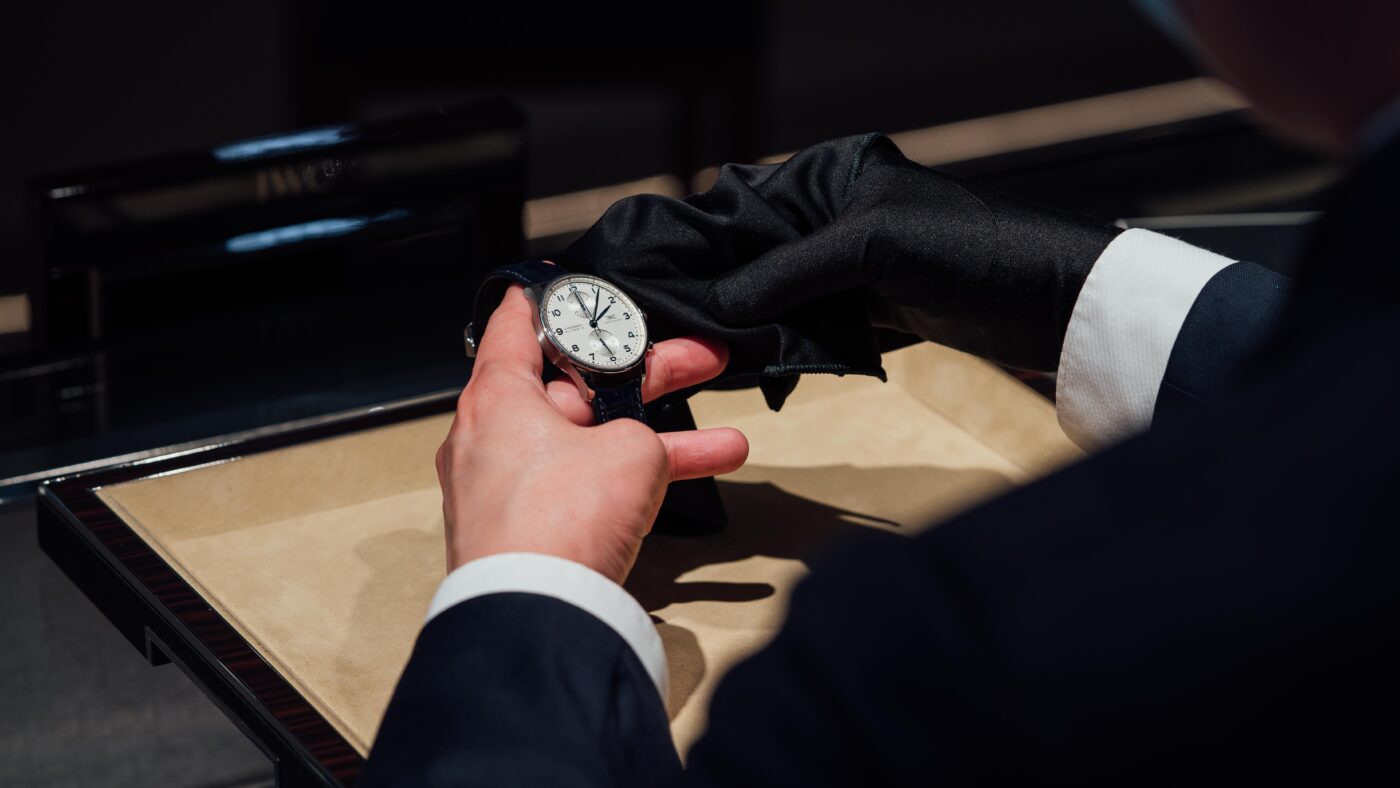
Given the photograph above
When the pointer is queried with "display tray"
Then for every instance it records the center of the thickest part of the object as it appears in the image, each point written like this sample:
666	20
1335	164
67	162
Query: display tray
289	574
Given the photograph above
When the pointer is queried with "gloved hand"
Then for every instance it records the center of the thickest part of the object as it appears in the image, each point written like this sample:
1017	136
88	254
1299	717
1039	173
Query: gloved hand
794	264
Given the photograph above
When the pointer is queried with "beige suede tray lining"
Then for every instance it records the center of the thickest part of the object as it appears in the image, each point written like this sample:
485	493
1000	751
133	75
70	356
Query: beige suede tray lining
324	555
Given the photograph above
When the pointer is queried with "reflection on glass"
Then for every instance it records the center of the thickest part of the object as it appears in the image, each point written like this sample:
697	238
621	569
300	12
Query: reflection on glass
282	143
307	231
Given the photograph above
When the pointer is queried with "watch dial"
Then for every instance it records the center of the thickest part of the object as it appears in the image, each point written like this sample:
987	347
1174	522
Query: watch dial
593	323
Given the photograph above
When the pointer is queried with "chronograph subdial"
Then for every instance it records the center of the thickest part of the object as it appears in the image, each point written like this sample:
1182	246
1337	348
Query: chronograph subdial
602	341
581	304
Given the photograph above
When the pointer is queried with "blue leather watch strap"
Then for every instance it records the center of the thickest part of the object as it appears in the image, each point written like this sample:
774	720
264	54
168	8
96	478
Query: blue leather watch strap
619	402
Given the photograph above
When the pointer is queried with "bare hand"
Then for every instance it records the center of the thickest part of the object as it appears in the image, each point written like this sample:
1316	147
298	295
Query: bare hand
523	468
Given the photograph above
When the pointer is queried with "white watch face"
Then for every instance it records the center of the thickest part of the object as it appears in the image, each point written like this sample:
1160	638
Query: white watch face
593	323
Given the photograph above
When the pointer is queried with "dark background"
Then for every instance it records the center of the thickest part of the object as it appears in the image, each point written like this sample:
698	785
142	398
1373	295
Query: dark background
96	83
612	95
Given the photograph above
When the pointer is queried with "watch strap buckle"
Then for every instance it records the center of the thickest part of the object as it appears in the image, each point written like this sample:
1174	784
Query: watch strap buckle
469	340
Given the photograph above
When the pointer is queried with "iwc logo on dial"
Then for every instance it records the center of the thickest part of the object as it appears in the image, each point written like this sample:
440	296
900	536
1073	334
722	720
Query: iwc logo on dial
593	323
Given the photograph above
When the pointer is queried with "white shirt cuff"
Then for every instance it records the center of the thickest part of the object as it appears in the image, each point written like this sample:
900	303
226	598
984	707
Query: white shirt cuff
567	581
1121	333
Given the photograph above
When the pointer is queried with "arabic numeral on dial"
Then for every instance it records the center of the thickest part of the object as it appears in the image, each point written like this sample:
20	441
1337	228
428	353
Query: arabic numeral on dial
612	300
556	313
559	332
630	335
627	348
591	356
612	358
574	348
573	287
626	315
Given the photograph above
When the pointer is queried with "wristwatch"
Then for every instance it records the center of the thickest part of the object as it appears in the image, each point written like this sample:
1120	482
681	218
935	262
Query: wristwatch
591	330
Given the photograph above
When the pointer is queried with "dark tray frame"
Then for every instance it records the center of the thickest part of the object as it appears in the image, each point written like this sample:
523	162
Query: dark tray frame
168	621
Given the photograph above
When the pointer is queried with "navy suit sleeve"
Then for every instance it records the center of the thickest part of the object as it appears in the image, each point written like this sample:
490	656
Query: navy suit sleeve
877	677
1142	618
522	689
1229	322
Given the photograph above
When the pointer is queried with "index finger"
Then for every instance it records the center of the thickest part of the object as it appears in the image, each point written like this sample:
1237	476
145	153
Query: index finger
509	342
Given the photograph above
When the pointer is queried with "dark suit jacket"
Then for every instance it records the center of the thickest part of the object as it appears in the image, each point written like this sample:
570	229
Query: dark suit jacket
1216	600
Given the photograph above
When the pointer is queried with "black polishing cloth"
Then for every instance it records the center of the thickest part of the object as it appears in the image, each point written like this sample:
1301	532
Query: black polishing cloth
794	264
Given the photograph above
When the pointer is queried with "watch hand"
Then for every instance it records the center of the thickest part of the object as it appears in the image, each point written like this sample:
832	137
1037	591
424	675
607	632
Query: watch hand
604	312
579	298
596	299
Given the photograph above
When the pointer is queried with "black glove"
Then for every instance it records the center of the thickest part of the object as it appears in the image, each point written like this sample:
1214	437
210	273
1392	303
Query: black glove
795	264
